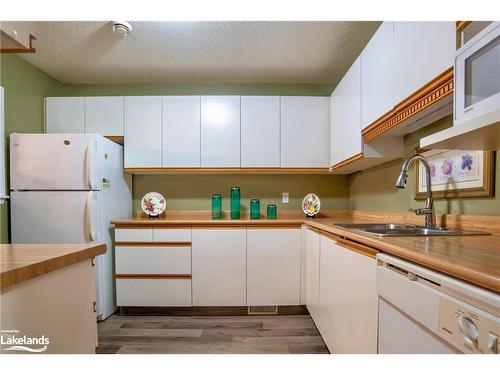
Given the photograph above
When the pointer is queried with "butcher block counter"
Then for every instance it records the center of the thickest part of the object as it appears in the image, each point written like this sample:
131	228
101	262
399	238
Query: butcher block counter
475	259
21	262
48	298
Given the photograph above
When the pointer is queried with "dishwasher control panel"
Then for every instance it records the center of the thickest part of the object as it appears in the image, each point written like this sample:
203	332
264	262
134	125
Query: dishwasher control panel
469	329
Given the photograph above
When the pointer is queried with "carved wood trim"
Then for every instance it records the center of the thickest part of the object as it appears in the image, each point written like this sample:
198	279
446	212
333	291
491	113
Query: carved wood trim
431	93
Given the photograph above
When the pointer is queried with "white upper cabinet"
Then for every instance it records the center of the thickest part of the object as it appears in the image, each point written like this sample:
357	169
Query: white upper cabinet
305	131
104	115
181	131
351	98
260	131
336	126
143	131
273	266
220	131
378	82
423	51
65	115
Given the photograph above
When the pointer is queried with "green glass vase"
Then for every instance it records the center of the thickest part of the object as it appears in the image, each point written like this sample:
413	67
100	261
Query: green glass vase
254	209
235	202
216	207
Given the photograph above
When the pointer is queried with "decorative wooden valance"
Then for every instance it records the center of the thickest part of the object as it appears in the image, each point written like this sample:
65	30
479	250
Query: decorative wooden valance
431	93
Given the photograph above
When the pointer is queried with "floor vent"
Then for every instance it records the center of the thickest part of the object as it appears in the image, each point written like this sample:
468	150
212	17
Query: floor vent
262	310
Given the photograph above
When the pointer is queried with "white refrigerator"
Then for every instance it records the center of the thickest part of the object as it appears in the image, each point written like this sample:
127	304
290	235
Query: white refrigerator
67	188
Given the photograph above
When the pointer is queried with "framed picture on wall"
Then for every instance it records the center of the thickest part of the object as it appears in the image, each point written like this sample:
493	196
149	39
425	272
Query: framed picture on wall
456	174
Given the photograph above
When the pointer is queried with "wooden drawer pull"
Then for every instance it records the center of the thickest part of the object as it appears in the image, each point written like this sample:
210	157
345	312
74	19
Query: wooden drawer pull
154	244
152	276
357	247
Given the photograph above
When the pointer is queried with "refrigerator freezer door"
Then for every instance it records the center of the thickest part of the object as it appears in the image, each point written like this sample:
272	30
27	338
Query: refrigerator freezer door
55	216
55	162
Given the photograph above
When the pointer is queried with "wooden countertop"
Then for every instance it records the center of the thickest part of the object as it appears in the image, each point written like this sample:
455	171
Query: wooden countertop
475	259
21	262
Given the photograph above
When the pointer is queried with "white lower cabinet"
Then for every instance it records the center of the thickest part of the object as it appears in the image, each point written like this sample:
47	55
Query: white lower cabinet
158	260
219	267
347	314
312	244
273	266
153	292
153	267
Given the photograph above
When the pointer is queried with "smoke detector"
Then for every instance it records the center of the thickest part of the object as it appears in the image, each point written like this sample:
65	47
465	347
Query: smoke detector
122	28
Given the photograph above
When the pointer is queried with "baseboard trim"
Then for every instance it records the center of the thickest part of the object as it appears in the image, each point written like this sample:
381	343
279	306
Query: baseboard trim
205	310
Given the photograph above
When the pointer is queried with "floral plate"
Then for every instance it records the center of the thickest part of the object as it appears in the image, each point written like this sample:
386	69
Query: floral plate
311	204
153	204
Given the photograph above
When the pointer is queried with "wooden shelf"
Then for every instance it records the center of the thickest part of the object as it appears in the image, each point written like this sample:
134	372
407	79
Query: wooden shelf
10	45
205	170
115	138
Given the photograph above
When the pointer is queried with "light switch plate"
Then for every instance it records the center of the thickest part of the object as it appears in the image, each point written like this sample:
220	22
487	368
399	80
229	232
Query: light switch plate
284	198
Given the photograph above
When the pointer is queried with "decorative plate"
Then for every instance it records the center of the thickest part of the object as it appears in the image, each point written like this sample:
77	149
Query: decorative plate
311	204
153	204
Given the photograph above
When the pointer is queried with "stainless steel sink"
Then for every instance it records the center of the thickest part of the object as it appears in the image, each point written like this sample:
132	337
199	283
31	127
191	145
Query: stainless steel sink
393	230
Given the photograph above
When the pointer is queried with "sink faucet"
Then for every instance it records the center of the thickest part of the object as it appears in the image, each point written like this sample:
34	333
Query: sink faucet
428	210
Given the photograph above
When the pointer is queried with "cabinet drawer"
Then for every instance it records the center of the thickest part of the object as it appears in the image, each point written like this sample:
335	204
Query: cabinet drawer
172	235
153	292
134	235
153	260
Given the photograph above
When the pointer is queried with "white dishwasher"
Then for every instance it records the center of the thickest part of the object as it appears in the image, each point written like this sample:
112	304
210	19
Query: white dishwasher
425	312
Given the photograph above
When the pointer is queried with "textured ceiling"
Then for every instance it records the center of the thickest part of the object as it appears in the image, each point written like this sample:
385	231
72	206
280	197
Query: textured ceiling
199	52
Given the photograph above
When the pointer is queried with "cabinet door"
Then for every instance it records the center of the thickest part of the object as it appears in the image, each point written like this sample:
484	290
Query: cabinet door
305	131
104	115
142	143
219	267
378	82
65	115
312	272
273	267
181	131
336	126
220	131
352	290
351	98
423	51
260	131
324	320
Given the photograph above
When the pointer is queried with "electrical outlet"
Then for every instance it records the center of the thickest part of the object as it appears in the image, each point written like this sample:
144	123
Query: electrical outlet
284	198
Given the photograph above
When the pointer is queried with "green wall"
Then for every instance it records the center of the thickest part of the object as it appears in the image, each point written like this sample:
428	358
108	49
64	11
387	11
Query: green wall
193	192
373	189
25	88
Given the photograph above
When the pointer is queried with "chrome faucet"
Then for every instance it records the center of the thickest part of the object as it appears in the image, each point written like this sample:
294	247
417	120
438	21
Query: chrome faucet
428	210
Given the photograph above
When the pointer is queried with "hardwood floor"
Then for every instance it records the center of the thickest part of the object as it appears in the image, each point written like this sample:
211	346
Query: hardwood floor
282	334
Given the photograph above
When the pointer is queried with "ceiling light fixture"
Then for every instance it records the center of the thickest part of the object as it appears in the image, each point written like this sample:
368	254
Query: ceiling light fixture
122	28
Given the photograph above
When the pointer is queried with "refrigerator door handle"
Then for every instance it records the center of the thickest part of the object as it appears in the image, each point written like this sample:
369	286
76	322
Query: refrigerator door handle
88	213
89	164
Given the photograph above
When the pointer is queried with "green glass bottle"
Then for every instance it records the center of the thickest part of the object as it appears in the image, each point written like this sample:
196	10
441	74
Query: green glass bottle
216	207
235	202
254	209
272	211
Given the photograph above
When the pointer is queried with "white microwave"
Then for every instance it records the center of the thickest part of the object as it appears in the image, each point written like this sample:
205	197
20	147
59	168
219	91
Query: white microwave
477	79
